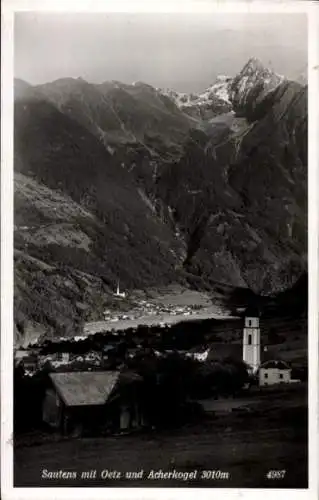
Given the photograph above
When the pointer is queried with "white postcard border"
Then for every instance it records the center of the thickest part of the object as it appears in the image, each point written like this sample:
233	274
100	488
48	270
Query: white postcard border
8	9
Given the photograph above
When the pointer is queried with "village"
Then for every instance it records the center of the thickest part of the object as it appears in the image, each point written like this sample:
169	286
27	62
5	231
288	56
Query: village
121	382
130	310
145	308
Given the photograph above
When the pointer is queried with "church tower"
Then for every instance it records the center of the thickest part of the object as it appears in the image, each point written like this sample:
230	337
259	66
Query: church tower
251	339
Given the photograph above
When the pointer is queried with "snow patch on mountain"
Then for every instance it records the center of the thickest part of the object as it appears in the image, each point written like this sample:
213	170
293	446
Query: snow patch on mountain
220	88
217	91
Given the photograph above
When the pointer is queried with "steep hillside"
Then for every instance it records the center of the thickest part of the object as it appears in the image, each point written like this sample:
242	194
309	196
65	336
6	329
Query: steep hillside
251	86
244	207
122	181
119	114
77	211
21	88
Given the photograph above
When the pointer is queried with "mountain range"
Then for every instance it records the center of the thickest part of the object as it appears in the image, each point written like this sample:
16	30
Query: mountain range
153	187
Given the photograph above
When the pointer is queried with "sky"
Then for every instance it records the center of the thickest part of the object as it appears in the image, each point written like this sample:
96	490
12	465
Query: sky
184	52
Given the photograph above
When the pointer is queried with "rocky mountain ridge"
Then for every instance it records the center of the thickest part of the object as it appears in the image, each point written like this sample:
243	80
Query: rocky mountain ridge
119	181
227	93
214	101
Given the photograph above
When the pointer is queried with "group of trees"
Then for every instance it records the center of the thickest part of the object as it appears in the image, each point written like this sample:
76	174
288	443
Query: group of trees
28	395
169	389
172	384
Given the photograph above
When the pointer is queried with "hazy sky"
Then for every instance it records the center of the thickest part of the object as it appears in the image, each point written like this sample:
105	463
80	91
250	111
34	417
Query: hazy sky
181	51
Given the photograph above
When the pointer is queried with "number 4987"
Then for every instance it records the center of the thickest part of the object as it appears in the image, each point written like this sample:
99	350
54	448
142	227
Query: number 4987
276	474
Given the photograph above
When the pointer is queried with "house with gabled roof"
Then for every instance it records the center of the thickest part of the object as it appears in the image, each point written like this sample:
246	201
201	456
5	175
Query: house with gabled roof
274	372
76	402
29	363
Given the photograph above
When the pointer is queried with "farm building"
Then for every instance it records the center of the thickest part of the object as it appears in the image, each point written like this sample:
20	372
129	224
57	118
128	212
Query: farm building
55	359
274	372
78	401
29	363
20	354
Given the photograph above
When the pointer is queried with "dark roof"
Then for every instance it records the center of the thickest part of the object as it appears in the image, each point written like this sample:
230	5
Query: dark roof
280	365
30	358
85	388
129	377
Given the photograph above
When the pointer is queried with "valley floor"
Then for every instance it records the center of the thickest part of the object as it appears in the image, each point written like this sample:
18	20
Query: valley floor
166	307
273	437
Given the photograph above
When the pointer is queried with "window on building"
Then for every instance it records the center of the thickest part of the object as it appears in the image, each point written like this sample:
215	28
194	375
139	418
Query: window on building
249	339
266	375
281	375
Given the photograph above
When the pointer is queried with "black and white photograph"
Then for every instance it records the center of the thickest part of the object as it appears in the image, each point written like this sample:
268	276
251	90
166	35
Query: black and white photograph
160	250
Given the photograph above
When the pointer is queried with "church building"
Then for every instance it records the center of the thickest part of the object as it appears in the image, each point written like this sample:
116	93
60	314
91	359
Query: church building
269	371
251	339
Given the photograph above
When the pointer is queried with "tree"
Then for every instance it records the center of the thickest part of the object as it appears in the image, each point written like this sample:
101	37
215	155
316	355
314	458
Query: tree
224	378
167	384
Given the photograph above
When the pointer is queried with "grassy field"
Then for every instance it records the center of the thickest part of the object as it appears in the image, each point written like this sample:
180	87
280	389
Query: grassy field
243	448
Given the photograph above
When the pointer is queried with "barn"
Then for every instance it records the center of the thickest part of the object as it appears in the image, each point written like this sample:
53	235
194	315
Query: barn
80	402
29	363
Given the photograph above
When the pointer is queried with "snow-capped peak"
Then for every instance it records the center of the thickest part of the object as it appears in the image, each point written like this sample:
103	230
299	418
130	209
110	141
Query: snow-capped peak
215	97
221	88
226	92
253	65
254	82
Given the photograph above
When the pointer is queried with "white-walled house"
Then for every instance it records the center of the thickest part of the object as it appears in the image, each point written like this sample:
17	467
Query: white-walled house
274	372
